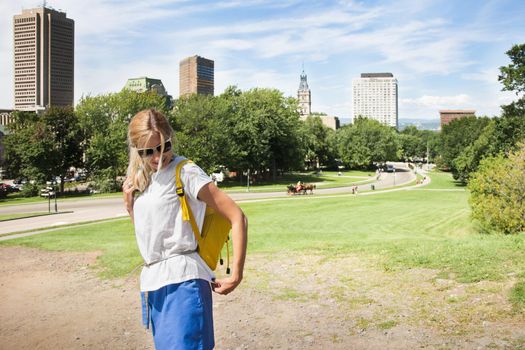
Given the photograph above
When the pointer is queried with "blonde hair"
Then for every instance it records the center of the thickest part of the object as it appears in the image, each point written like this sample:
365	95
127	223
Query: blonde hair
141	128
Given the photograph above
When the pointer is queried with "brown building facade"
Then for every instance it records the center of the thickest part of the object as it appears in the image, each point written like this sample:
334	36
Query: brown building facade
44	59
196	76
448	115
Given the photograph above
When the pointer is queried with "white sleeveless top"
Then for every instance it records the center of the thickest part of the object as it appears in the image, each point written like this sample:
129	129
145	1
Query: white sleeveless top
161	233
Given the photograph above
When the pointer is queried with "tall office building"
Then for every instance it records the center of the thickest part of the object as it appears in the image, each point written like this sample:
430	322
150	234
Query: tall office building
304	97
196	76
44	41
375	97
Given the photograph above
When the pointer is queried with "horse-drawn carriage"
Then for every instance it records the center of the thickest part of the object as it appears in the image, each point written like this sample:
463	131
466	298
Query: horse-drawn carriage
300	188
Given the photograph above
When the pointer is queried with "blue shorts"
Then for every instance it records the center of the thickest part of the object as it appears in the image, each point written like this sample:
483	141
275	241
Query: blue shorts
181	315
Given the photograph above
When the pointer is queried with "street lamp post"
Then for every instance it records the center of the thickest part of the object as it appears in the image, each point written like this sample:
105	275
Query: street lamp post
248	182
394	170
55	193
48	199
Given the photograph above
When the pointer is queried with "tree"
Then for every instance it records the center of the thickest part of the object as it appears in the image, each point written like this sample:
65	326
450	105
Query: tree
510	128
203	128
104	121
502	134
365	142
458	135
317	142
257	130
41	148
416	143
513	75
468	160
410	146
497	192
266	132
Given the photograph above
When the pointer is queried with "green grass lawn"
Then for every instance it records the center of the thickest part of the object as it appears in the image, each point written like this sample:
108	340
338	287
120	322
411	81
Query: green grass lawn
15	199
425	228
398	230
21	215
114	239
326	179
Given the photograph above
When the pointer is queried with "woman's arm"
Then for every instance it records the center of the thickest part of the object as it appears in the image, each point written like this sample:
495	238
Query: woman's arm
224	205
127	190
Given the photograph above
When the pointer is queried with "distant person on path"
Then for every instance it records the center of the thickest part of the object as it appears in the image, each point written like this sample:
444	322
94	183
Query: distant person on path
175	282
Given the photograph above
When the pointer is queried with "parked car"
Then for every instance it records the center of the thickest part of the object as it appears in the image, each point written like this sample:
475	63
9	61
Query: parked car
9	188
20	181
390	168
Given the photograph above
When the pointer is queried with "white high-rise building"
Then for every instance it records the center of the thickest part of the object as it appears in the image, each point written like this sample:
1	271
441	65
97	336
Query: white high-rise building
375	97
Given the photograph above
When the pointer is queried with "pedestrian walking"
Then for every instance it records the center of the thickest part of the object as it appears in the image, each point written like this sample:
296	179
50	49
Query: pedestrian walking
176	284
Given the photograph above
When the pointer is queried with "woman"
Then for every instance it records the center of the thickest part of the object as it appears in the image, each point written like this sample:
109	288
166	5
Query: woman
175	281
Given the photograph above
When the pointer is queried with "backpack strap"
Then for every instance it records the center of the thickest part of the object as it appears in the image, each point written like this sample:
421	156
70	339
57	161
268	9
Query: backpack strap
187	214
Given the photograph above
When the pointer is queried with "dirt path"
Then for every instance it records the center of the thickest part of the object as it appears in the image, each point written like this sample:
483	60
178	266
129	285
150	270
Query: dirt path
55	301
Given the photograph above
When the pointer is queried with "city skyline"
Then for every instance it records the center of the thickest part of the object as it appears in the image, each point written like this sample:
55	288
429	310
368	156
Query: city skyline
444	54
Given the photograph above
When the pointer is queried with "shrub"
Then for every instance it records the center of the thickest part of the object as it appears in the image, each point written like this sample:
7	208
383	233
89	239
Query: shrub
30	190
497	192
106	182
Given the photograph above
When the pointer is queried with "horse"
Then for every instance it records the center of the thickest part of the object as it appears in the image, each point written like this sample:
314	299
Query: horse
309	187
292	189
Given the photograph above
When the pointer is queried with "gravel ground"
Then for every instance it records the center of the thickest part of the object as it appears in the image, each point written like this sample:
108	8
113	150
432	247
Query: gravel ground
53	300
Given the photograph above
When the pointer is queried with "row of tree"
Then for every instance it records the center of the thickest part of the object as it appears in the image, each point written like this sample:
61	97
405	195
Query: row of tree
493	162
257	130
466	141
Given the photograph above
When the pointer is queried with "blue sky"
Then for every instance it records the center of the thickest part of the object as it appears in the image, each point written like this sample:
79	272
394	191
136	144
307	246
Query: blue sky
445	54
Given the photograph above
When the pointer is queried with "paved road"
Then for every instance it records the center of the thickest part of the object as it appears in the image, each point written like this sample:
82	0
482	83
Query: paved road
90	209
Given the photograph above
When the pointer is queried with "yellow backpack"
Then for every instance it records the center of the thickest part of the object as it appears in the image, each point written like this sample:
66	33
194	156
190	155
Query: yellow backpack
215	229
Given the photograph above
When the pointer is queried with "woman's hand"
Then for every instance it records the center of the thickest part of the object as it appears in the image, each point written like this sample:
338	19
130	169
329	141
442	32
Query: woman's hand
127	190
225	286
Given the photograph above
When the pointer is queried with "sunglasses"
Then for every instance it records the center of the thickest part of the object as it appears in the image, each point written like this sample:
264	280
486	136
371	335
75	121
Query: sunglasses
148	152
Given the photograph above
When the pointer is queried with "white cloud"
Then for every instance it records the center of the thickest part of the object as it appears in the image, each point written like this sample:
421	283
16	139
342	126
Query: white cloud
487	103
442	102
428	106
232	44
489	75
429	46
